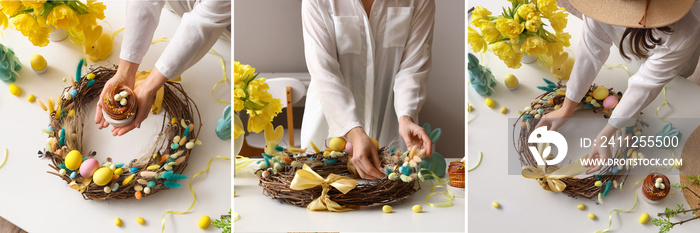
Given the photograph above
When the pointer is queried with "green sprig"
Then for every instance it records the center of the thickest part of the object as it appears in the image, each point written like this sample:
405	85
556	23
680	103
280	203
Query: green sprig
223	223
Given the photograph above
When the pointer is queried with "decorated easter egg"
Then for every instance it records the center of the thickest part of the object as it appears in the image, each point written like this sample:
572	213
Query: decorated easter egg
610	102
417	208
38	62
31	98
118	222
592	216
88	167
15	90
511	81
496	205
204	222
73	160
644	218
581	206
140	220
102	176
600	93
504	110
376	143
337	144
348	147
490	103
387	208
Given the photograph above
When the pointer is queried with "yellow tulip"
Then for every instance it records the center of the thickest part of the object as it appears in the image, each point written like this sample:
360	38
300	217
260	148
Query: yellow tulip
490	33
480	15
547	7
534	46
526	11
62	17
4	21
11	8
533	23
477	43
508	53
34	4
558	20
509	28
96	9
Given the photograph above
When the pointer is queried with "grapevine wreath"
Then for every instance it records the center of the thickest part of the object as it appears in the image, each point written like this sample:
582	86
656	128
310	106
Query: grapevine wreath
307	179
598	99
158	169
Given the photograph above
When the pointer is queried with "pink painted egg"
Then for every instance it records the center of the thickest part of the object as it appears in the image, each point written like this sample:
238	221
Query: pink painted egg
88	167
610	102
348	148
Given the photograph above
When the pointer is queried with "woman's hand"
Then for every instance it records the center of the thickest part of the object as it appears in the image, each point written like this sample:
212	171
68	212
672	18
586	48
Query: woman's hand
600	152
364	154
145	93
414	135
559	117
126	75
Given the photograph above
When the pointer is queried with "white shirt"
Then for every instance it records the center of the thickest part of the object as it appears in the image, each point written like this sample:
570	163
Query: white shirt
197	33
678	55
366	70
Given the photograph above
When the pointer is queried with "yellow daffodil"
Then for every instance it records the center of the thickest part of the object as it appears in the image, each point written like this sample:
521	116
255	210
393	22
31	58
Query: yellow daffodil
533	23
558	20
509	28
508	53
62	17
547	7
534	46
11	7
526	11
4	21
480	15
489	32
34	4
475	40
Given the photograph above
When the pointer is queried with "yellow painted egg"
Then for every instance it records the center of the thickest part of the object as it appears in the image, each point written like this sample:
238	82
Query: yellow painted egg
592	216
598	183
387	208
204	222
376	143
73	160
504	110
15	90
511	81
337	144
38	62
496	205
236	216
470	108
490	103
644	219
140	220
31	98
581	206
600	93
118	222
417	208
102	176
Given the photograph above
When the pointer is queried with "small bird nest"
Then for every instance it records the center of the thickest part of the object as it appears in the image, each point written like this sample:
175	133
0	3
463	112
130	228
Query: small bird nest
366	193
610	176
156	170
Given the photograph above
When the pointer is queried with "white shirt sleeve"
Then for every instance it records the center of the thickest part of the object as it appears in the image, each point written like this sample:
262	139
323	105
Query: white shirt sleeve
197	33
592	53
336	99
411	81
141	21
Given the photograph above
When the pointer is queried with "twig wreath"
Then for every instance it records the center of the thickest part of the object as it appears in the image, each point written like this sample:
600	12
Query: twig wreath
325	180
158	169
609	177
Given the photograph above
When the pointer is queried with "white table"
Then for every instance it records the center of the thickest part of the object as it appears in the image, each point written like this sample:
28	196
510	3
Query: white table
525	206
41	202
261	213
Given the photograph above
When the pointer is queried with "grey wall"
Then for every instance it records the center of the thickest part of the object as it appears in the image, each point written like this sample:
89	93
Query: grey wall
267	35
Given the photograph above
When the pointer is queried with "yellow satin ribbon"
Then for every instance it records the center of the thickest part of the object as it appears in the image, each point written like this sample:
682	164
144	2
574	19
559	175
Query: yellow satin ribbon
478	162
241	162
4	159
194	195
659	107
450	196
553	180
636	200
308	178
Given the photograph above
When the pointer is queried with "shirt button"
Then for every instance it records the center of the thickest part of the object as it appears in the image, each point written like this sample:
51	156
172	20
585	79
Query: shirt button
374	12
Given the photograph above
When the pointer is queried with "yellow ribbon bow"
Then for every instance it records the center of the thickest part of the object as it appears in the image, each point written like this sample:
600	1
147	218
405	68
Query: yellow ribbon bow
552	181
307	178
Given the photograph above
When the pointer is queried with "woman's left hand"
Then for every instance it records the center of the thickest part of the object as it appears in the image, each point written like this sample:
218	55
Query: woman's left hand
145	93
600	151
414	135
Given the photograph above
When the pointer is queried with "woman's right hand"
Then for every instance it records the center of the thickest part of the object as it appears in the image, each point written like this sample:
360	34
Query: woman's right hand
559	117
126	75
364	154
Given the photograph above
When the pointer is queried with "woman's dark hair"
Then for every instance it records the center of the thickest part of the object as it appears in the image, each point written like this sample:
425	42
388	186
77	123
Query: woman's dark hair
642	40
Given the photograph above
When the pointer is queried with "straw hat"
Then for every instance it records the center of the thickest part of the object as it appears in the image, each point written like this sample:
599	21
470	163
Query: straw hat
631	13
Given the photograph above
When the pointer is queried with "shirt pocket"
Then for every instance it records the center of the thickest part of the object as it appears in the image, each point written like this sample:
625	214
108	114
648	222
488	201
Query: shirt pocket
347	34
398	25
